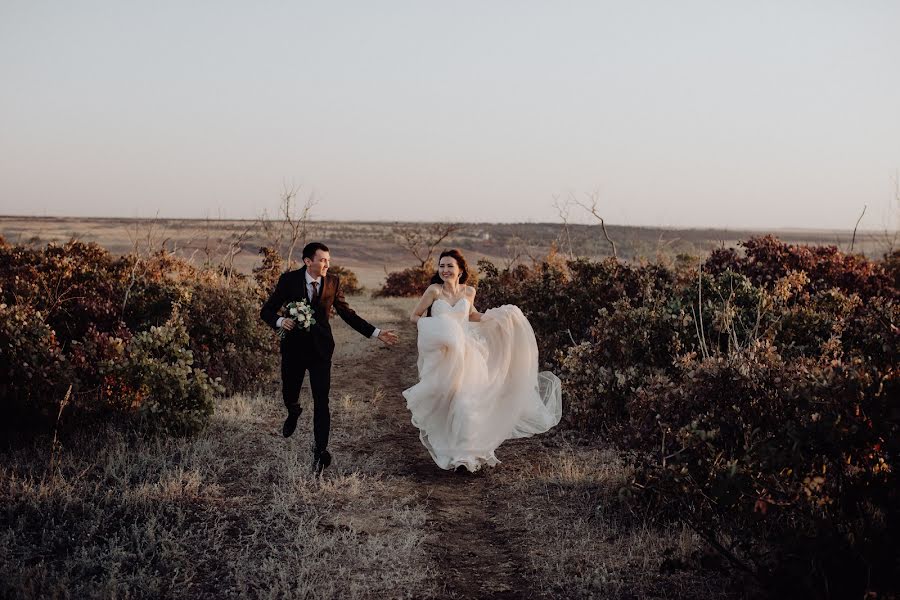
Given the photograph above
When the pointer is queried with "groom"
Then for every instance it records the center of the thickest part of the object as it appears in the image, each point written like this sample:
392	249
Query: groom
311	350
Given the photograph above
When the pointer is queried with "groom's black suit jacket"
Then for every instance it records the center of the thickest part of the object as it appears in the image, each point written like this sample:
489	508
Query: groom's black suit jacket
318	340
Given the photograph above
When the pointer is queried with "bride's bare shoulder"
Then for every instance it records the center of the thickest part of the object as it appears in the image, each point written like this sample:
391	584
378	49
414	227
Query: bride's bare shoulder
470	291
433	290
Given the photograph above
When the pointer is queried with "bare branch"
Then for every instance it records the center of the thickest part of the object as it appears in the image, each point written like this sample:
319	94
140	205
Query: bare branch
594	210
298	225
853	239
514	249
421	241
563	208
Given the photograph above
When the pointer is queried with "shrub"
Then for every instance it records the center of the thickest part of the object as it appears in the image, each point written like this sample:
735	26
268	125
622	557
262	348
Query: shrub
97	387
228	339
766	259
266	274
75	286
562	300
158	368
153	285
93	305
349	281
628	346
792	464
758	392
408	282
34	373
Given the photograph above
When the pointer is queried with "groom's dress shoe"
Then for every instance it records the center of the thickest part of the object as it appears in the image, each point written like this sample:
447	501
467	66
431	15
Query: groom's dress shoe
321	460
290	424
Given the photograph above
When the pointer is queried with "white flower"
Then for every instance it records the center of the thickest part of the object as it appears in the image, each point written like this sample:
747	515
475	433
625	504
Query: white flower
302	313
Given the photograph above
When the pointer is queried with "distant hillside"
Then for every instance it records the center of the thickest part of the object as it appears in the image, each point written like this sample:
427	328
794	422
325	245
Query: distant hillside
375	245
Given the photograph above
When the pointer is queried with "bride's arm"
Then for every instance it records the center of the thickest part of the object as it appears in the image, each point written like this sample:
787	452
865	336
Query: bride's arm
424	302
474	315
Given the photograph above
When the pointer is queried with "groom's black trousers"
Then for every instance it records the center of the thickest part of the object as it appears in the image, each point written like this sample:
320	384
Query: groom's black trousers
294	365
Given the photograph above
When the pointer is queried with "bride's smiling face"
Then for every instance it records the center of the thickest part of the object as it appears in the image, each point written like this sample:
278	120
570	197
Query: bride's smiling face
448	269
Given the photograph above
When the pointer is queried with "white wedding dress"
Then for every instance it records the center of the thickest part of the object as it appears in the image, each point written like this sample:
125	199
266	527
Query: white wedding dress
478	384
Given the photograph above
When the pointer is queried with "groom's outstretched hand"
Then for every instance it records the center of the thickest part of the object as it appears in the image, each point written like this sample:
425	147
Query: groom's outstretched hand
388	336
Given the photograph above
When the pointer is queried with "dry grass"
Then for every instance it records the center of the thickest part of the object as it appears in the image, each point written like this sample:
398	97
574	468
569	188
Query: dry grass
585	542
233	510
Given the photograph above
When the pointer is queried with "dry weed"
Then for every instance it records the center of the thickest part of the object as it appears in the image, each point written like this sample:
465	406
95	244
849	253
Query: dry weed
234	510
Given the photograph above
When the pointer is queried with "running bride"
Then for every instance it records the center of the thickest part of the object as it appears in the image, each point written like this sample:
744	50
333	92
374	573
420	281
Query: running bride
478	374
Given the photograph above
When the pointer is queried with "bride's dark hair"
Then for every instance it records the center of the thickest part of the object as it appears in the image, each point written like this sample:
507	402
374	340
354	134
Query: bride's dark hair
460	260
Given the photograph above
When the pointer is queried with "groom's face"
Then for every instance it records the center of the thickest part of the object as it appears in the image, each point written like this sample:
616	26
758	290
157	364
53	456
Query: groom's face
318	265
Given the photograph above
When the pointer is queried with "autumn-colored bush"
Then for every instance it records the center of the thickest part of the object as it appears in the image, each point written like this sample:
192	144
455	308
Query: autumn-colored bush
266	274
89	307
766	260
787	466
408	282
349	281
90	358
758	390
74	286
34	374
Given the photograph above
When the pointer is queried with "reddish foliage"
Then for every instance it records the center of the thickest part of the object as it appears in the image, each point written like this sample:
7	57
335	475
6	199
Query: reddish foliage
759	393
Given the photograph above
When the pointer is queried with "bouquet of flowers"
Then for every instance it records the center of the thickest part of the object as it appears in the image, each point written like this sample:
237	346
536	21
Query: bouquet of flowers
302	313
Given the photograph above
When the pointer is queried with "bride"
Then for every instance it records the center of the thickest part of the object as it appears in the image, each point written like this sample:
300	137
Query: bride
478	374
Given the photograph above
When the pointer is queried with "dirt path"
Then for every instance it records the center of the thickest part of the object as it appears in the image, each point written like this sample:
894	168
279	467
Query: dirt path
468	543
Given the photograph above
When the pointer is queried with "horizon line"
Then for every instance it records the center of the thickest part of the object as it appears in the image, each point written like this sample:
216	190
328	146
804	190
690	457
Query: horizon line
399	222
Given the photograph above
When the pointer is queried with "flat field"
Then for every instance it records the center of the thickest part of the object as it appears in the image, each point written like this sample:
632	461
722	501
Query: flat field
373	248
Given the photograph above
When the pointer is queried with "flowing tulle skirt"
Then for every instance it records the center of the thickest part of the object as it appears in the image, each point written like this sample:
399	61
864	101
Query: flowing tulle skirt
479	385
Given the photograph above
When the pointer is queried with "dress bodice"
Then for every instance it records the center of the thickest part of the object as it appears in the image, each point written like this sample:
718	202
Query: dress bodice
442	307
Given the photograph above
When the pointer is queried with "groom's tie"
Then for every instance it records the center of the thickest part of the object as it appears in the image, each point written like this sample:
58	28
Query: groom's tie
315	295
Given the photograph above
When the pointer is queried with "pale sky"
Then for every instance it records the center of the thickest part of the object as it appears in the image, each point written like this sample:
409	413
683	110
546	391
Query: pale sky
760	114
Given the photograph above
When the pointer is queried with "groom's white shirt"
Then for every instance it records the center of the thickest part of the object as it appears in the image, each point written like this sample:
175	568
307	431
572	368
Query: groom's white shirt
309	294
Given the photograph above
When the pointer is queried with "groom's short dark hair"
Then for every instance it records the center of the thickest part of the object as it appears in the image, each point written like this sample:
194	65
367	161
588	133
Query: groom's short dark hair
309	250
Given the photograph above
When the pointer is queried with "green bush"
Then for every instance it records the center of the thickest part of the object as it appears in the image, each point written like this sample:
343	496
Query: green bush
228	339
34	373
158	368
